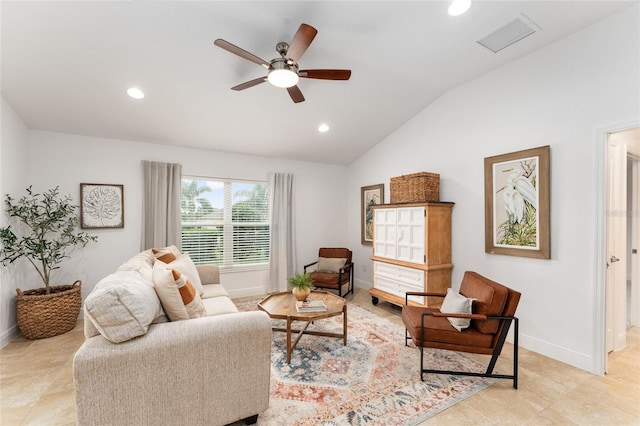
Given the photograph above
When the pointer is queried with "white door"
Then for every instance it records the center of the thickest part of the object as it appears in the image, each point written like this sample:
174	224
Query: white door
410	234
384	233
634	221
616	291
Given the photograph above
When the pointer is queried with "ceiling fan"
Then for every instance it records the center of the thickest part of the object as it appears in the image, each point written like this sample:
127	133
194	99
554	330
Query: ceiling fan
284	71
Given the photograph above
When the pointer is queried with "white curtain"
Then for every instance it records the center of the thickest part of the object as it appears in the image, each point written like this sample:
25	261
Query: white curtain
282	261
161	223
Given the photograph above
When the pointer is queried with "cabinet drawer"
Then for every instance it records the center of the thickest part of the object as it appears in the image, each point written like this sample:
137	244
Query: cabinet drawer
414	277
398	280
386	284
396	288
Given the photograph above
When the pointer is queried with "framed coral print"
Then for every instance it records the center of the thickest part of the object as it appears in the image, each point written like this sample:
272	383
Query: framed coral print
101	206
516	199
369	196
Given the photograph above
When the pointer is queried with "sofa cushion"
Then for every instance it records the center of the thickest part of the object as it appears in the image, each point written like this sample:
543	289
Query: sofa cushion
328	279
134	261
179	297
213	290
455	303
440	332
490	299
140	263
90	330
121	306
330	264
209	274
219	305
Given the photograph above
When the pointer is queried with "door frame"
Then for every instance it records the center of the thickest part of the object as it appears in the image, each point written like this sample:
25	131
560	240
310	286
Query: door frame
617	230
635	243
600	268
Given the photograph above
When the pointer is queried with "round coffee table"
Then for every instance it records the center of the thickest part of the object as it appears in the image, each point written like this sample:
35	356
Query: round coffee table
283	306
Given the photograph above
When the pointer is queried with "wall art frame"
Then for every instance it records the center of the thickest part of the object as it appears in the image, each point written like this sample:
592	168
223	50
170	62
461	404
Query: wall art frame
516	199
101	206
369	196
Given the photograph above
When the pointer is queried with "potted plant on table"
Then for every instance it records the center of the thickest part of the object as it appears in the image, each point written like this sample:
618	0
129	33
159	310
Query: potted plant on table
301	285
47	230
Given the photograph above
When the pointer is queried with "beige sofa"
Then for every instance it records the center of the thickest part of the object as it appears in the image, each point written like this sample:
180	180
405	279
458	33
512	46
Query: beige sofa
137	368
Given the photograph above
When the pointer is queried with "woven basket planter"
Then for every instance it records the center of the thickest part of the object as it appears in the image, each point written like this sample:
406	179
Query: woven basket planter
416	187
43	315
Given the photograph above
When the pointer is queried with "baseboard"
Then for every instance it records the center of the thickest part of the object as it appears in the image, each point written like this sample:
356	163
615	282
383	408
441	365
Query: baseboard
246	292
366	285
578	360
9	335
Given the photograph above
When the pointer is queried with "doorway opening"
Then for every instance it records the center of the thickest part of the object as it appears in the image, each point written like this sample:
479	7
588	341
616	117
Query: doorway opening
621	239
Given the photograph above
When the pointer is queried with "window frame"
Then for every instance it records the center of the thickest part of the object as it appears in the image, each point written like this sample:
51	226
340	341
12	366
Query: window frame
228	225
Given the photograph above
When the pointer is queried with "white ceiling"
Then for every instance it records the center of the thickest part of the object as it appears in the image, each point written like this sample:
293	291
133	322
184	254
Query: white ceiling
65	66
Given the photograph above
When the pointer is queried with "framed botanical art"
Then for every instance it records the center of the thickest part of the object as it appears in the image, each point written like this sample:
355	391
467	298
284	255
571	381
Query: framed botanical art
516	199
369	196
101	206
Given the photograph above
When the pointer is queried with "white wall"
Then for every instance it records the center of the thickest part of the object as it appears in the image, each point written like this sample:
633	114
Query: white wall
68	160
13	178
559	96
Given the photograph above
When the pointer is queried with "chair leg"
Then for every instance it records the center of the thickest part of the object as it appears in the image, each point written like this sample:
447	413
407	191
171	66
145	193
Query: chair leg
421	363
494	358
351	278
422	348
498	350
515	353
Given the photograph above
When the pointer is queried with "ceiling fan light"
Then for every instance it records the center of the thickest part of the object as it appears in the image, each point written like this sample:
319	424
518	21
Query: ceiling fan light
283	78
135	93
458	7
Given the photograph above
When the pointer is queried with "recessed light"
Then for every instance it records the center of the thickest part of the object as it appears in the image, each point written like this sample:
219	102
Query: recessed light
458	7
323	128
135	93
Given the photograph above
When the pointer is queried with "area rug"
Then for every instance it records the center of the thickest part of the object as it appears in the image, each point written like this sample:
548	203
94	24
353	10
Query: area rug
374	380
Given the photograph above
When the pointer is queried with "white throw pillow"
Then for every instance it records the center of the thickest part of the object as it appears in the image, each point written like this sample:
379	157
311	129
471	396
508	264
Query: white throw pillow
179	297
166	254
455	303
140	263
330	264
185	265
121	306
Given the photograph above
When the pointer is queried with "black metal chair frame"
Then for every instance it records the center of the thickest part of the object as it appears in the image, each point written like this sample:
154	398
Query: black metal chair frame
494	356
342	271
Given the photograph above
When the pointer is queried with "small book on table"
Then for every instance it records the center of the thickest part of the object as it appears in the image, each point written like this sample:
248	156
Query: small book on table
311	306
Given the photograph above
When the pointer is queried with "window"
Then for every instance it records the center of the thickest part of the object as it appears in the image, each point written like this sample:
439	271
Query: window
225	222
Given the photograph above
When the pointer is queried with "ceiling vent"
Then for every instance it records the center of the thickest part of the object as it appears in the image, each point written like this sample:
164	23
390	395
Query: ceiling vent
510	33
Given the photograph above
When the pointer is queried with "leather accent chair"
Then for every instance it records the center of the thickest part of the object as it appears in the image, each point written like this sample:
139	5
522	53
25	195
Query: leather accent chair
333	278
493	313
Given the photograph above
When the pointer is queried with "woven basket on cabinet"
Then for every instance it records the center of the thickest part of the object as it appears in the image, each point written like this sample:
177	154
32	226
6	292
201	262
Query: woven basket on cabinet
416	187
43	315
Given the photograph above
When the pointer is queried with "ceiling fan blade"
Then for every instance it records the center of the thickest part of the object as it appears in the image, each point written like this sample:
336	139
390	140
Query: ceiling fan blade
301	41
296	94
232	48
326	74
249	83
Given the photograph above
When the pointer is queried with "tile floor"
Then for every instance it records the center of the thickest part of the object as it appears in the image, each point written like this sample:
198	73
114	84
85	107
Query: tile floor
36	386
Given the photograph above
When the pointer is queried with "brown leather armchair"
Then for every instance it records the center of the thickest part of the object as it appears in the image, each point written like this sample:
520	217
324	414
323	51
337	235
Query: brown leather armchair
330	272
493	312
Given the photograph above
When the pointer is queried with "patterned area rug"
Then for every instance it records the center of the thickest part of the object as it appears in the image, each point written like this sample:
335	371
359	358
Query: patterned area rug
374	380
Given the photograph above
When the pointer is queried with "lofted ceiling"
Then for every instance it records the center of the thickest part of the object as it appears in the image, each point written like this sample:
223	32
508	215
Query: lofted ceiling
65	67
